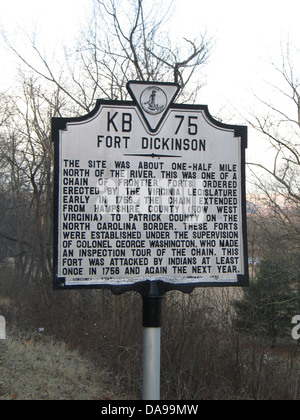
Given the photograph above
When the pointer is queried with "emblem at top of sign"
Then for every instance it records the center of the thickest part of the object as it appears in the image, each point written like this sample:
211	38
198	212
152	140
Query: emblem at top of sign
154	100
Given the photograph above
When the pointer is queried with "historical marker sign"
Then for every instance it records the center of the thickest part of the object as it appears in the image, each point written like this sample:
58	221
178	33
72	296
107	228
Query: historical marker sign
148	190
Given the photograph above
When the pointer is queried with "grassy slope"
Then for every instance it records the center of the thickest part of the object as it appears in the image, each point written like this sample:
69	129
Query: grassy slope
41	369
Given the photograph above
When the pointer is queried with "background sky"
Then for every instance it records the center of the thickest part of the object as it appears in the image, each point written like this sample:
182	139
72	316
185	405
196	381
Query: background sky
248	35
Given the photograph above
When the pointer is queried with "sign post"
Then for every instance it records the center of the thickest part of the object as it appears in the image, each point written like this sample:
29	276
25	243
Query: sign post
152	311
149	197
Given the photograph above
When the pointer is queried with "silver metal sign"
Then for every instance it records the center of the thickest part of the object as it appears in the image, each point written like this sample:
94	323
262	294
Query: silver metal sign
149	191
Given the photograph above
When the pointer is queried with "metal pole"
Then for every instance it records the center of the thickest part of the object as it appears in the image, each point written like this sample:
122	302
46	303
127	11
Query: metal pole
152	307
151	364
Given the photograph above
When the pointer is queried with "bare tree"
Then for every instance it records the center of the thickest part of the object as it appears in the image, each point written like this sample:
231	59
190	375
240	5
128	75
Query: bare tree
26	157
278	182
142	49
124	40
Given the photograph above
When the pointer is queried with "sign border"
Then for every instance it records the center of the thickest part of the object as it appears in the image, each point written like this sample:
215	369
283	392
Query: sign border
143	287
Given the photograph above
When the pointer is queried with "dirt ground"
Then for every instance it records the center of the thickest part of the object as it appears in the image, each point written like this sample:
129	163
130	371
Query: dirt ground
35	367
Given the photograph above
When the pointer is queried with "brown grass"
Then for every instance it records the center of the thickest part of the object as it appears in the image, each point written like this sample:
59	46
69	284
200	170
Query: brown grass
38	368
203	356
